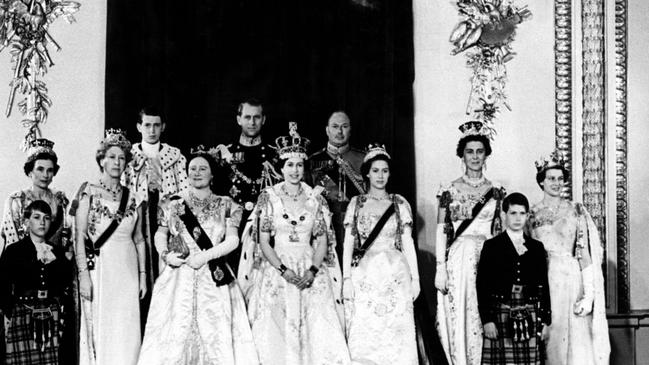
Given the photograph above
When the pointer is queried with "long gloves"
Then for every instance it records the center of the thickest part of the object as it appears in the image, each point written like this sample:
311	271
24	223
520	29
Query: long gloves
411	257
584	306
440	253
197	260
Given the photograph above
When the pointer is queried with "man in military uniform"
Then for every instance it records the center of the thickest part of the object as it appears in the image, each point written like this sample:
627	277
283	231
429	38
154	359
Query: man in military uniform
248	165
337	168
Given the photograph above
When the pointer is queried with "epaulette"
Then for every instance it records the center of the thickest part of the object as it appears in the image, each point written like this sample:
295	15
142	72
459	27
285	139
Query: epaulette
318	152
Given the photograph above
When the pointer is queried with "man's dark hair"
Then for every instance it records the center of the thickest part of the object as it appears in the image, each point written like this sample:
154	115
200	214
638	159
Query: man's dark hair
151	110
37	205
516	199
251	102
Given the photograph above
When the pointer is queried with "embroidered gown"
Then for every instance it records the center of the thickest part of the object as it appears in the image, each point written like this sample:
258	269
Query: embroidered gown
458	320
381	325
191	320
572	339
292	326
113	315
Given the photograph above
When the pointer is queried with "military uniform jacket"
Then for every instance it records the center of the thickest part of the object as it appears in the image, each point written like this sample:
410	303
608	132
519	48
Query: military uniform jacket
244	172
173	174
340	184
500	268
21	271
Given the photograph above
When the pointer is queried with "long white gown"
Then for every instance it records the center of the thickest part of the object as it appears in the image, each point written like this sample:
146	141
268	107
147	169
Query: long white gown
458	320
381	324
292	326
114	312
192	321
572	339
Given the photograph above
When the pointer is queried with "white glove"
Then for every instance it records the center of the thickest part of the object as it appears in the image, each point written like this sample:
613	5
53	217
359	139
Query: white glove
441	276
173	259
415	288
584	306
197	260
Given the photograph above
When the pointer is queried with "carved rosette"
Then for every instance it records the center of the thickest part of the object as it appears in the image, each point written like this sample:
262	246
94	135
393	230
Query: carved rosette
621	159
594	127
563	84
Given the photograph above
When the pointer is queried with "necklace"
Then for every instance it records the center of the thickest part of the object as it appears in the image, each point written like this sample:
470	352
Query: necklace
114	192
292	196
198	202
474	182
385	196
553	209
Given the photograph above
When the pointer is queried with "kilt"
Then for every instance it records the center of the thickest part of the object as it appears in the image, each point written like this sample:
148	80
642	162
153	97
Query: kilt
504	350
22	348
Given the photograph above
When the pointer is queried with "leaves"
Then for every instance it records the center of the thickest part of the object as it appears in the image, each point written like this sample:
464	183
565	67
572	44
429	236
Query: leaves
24	31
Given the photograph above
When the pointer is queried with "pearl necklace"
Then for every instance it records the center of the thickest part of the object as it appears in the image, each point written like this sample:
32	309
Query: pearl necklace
474	183
379	198
199	202
292	196
114	192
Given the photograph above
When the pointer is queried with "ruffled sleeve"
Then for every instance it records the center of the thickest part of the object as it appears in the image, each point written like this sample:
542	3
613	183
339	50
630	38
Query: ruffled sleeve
233	215
320	224
405	211
349	214
266	222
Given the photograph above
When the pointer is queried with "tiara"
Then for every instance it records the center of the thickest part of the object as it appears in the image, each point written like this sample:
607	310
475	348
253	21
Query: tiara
38	146
555	160
373	150
292	145
198	150
474	128
116	137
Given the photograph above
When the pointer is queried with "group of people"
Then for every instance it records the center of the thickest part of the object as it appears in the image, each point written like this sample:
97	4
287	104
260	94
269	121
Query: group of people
245	253
528	290
251	253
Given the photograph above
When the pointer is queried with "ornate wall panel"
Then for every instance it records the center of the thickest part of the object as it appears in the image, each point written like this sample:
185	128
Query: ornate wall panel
621	158
563	79
594	127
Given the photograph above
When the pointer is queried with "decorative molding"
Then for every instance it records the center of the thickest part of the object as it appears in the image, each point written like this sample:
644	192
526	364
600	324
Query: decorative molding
563	84
621	157
594	123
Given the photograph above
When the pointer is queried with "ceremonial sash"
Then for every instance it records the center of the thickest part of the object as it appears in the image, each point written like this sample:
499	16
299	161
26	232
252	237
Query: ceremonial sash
496	226
351	174
360	252
92	249
218	267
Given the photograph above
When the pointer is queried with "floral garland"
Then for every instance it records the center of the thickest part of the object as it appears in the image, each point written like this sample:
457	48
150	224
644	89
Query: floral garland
487	29
24	30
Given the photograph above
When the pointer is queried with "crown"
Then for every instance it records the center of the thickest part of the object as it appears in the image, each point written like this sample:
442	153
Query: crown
375	149
38	146
292	145
555	160
474	128
198	150
116	137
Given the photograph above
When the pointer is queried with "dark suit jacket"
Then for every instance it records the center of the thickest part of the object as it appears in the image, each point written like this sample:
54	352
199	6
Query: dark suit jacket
501	267
21	271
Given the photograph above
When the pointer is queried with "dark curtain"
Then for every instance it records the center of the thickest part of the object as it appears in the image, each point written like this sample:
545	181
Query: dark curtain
304	59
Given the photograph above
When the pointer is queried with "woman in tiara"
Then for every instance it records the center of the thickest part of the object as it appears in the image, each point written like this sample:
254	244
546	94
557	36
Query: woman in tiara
290	271
579	331
381	280
110	258
41	166
469	213
198	314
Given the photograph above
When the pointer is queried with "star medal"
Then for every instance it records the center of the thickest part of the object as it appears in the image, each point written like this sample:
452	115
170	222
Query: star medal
218	274
234	191
196	233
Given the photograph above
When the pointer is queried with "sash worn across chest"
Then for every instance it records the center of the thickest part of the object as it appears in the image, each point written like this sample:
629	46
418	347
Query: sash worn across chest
358	253
92	248
218	267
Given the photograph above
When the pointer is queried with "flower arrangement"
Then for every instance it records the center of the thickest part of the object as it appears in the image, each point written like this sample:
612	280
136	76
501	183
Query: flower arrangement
485	32
24	31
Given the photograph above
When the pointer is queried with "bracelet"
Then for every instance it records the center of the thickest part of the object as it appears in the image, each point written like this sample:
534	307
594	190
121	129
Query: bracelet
282	269
314	270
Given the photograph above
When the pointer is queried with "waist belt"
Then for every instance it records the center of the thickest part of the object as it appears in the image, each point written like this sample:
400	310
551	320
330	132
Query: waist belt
33	295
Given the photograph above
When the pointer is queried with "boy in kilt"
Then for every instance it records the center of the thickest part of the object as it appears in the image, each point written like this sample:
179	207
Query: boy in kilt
513	293
34	278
